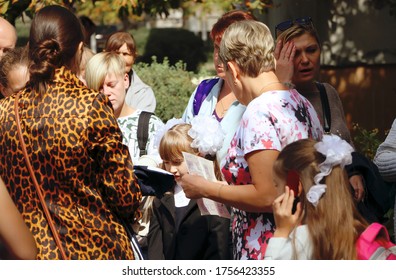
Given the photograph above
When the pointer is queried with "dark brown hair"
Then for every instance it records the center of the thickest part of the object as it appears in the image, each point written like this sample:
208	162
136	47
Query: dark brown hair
13	58
55	35
226	20
116	40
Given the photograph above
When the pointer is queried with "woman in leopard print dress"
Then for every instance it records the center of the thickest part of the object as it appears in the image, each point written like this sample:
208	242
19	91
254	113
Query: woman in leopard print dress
75	146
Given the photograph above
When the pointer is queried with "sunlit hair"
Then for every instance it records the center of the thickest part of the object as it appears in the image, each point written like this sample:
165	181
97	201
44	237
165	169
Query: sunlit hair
11	60
335	224
86	56
250	45
226	20
175	141
298	30
117	39
55	36
102	64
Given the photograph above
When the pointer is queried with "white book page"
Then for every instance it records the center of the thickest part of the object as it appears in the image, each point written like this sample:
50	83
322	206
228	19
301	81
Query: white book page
200	166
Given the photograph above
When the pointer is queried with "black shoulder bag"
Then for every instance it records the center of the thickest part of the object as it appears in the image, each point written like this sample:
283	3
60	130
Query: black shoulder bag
325	108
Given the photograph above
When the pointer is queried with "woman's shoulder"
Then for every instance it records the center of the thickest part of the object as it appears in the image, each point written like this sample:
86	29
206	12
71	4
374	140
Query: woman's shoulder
330	90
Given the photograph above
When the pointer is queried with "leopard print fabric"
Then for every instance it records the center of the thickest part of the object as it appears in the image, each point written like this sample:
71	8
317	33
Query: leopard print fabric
84	170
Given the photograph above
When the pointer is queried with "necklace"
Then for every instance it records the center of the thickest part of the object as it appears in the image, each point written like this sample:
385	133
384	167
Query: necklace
272	83
223	108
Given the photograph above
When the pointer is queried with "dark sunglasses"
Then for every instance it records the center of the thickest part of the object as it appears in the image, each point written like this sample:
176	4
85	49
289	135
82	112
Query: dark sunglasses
289	23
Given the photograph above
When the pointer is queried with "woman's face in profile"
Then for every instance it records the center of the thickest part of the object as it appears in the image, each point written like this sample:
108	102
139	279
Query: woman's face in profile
306	59
217	62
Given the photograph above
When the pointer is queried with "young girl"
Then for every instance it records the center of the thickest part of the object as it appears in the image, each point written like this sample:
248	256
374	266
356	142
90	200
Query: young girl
326	223
177	228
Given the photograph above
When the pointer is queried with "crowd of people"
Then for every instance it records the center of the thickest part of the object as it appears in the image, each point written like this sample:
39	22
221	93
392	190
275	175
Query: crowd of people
74	124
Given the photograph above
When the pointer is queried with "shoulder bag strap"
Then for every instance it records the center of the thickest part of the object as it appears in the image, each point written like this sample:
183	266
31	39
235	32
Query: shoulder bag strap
142	131
201	93
33	177
325	107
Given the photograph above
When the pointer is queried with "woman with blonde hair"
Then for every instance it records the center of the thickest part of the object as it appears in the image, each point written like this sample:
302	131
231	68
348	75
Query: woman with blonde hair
139	95
275	116
105	73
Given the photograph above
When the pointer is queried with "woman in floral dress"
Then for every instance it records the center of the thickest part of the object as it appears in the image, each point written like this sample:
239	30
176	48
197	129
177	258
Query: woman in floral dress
275	116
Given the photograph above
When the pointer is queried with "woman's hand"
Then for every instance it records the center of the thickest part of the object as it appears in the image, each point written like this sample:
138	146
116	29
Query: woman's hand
285	221
357	184
284	61
193	185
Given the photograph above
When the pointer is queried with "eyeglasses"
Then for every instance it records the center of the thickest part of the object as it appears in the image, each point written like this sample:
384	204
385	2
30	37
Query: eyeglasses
283	26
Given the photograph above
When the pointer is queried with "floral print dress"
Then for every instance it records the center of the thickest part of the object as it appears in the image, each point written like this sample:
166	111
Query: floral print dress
270	122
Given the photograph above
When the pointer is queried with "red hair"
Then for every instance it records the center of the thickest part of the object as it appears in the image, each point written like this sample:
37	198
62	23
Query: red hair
226	20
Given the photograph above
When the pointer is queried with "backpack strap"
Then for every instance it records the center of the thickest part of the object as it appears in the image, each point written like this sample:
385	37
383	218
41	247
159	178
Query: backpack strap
202	92
373	231
374	244
325	106
142	131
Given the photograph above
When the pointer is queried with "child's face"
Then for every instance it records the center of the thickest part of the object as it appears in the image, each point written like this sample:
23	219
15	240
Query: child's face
279	183
177	168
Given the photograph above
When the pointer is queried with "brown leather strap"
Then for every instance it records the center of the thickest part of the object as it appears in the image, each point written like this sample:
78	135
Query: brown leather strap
33	177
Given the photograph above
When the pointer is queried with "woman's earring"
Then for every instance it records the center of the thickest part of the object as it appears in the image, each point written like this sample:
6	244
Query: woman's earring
235	83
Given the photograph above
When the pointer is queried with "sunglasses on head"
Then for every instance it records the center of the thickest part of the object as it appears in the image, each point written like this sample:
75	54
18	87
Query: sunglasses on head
291	22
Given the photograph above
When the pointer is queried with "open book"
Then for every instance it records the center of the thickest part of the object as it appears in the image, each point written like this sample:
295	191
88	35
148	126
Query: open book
200	166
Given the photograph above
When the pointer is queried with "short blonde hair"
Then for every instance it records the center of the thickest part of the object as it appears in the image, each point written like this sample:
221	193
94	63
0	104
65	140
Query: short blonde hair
102	64
249	43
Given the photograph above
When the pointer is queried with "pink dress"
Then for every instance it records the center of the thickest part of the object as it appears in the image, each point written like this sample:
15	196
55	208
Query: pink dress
270	122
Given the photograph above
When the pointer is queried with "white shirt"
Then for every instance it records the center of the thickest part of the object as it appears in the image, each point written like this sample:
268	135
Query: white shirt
280	248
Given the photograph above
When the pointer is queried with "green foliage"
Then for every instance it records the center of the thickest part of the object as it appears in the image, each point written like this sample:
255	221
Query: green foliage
176	44
172	86
140	35
110	12
366	141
